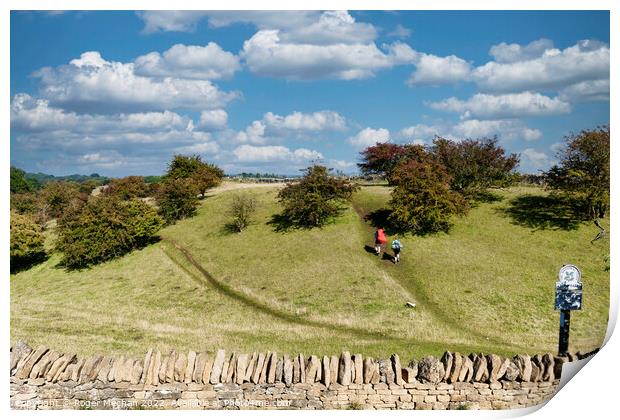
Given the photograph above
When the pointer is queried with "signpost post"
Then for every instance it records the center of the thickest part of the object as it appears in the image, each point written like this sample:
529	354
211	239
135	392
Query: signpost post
568	292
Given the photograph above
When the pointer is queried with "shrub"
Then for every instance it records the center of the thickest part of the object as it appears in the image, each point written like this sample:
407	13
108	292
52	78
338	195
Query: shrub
206	177
25	203
56	197
475	165
19	182
583	171
177	199
422	201
203	175
315	199
128	187
241	210
103	229
27	241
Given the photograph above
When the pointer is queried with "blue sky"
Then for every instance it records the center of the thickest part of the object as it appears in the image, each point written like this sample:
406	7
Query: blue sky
119	92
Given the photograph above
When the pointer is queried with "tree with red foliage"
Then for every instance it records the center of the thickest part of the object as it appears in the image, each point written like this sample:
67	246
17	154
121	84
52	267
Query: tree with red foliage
382	158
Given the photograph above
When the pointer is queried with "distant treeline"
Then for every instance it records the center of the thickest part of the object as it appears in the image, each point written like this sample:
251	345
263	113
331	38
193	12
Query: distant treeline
39	179
262	175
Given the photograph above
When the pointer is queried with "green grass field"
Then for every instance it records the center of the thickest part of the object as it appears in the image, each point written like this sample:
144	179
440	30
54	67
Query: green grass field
487	286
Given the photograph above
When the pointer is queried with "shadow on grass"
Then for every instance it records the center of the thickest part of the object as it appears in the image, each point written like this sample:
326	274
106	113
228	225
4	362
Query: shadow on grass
544	212
369	249
381	218
485	197
281	223
23	264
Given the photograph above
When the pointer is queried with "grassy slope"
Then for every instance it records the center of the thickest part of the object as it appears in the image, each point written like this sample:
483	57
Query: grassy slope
496	277
315	291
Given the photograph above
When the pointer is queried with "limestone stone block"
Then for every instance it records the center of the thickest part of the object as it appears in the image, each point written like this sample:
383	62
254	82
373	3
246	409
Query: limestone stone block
218	364
430	369
447	359
344	369
191	364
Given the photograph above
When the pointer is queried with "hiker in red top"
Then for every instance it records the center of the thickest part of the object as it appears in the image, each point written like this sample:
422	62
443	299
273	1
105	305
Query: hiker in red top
380	240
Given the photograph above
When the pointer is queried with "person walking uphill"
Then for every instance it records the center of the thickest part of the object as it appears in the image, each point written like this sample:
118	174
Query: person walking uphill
380	240
396	247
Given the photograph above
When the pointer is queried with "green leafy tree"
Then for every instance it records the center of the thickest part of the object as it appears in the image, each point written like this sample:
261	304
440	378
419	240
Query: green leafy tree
176	199
241	210
103	229
203	175
206	177
475	165
315	198
25	203
422	201
19	182
583	171
27	241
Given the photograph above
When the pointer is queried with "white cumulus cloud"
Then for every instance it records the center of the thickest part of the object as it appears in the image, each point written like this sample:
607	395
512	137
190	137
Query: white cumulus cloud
267	54
435	70
256	154
215	119
369	137
524	104
554	69
92	84
208	62
511	53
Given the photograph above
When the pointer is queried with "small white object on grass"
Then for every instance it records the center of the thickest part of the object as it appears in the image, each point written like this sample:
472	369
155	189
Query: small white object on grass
411	304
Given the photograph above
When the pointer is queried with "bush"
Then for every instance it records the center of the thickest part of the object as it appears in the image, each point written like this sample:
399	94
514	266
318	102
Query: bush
475	165
241	210
27	241
128	187
103	229
177	199
19	182
57	196
315	199
203	175
422	201
583	172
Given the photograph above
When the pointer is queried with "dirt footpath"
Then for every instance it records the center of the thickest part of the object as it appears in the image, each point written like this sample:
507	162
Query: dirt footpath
227	186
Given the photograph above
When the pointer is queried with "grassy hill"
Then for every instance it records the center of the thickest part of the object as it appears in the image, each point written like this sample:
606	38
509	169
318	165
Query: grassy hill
487	286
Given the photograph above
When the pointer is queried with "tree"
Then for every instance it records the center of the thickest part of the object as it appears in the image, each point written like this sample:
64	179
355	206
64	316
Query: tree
241	210
27	241
203	175
475	165
177	199
19	182
382	158
315	198
58	196
422	201
128	187
583	171
105	228
206	177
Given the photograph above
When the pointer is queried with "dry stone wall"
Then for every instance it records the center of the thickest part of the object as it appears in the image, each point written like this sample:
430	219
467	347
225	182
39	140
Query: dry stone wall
46	379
